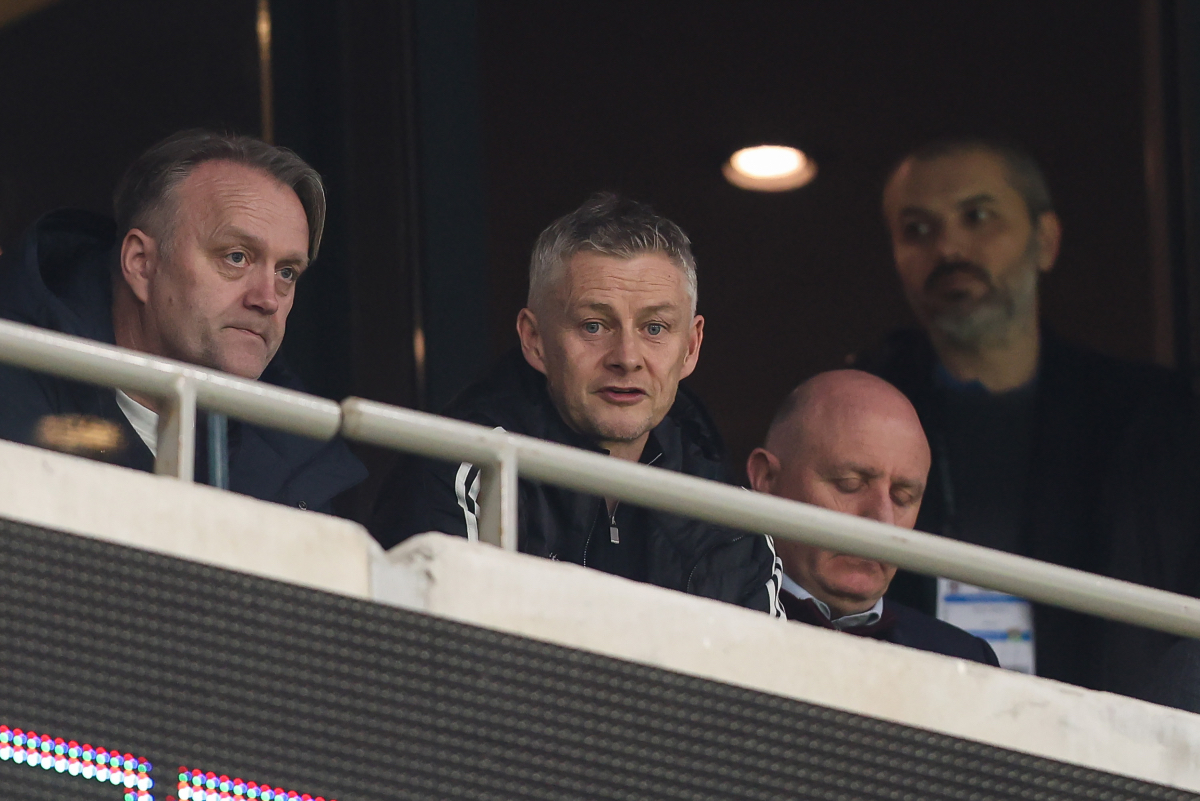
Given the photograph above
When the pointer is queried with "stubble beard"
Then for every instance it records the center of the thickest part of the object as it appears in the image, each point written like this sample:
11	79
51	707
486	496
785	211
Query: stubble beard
991	321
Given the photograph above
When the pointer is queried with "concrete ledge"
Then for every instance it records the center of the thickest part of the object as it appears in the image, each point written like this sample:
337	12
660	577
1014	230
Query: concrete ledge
569	605
189	521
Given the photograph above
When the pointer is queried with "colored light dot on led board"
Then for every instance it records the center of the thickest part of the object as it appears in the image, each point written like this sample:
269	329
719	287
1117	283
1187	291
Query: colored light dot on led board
69	757
196	785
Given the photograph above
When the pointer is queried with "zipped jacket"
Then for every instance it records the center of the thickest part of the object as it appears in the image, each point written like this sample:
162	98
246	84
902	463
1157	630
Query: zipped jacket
681	554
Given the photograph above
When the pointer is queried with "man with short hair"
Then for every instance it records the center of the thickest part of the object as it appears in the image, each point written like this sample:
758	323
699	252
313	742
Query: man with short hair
1040	447
212	234
851	442
609	331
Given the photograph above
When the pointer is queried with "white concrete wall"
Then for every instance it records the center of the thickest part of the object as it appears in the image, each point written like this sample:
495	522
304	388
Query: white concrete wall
189	521
569	605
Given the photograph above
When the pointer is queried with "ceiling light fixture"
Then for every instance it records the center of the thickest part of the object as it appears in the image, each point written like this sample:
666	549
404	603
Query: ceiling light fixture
769	168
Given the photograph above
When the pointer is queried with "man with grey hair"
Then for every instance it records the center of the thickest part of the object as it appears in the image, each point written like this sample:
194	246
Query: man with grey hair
609	331
1040	447
212	234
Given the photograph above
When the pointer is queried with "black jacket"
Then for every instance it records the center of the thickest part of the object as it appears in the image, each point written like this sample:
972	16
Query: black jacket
60	280
903	625
681	554
1112	489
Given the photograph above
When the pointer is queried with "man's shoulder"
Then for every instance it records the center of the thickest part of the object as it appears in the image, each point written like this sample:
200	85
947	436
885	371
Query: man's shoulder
513	396
919	630
1067	365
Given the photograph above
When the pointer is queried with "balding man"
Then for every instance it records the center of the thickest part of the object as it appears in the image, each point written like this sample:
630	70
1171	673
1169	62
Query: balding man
851	442
212	234
609	331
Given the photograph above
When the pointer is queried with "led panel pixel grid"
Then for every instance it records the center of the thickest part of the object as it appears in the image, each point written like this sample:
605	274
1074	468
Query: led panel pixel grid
215	685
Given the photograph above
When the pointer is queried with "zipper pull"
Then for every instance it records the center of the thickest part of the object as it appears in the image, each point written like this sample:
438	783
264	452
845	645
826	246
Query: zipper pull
614	536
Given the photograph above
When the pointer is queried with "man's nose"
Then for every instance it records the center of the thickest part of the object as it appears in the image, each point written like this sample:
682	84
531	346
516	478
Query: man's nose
260	291
626	351
877	505
952	243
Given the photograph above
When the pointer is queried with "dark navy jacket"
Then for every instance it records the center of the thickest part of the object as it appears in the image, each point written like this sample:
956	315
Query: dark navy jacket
903	626
681	554
60	280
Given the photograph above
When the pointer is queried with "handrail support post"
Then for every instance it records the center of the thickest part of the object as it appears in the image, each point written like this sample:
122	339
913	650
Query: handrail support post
177	432
498	501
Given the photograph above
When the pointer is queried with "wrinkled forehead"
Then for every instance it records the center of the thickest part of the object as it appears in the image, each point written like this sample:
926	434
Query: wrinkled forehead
220	194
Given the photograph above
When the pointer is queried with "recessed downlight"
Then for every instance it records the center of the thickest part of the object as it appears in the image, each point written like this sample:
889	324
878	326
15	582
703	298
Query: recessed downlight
769	168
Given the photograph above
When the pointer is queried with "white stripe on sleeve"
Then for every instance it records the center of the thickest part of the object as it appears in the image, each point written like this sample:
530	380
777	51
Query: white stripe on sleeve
466	487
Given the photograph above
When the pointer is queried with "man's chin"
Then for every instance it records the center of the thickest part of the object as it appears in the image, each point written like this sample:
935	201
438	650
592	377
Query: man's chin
249	367
858	578
621	430
982	323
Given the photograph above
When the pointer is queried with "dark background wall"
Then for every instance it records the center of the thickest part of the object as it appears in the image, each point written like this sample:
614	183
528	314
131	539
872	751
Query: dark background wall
85	87
452	131
648	98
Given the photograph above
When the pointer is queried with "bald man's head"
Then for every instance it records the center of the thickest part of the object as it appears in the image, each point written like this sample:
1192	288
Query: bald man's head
848	441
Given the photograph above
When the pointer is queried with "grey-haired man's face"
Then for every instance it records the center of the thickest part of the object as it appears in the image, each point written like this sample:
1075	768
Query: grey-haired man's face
614	339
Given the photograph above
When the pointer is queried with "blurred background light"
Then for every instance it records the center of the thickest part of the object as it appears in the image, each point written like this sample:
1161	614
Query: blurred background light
769	168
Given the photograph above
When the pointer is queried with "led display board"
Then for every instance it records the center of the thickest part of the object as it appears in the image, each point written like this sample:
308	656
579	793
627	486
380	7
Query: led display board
130	676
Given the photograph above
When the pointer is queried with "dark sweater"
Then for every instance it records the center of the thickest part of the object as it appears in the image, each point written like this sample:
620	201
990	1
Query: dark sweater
901	625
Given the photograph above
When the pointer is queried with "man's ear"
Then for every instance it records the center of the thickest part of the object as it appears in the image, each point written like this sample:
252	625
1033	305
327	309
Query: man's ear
531	340
139	260
695	337
762	467
1049	234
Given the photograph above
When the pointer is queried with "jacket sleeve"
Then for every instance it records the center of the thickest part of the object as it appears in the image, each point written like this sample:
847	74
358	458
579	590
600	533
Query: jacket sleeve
422	495
744	571
986	654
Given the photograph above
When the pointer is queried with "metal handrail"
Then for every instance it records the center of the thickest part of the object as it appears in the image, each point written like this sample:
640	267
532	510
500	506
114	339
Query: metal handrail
502	456
180	386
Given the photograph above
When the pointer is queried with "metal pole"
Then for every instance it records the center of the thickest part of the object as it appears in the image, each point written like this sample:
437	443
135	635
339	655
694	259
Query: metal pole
498	501
441	438
218	450
119	368
177	432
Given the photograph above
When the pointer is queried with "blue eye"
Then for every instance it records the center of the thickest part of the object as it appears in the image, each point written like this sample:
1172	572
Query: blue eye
655	329
592	327
237	257
288	274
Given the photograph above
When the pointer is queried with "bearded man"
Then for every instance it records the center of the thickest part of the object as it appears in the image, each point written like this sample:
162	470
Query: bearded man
1040	447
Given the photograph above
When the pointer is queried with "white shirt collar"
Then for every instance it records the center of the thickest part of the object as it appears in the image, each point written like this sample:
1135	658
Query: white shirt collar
143	420
866	618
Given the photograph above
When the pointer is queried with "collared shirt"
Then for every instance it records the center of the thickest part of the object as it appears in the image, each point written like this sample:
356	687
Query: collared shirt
867	618
143	420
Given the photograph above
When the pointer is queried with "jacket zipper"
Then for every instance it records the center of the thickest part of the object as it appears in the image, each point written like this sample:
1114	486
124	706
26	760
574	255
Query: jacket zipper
612	523
612	520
